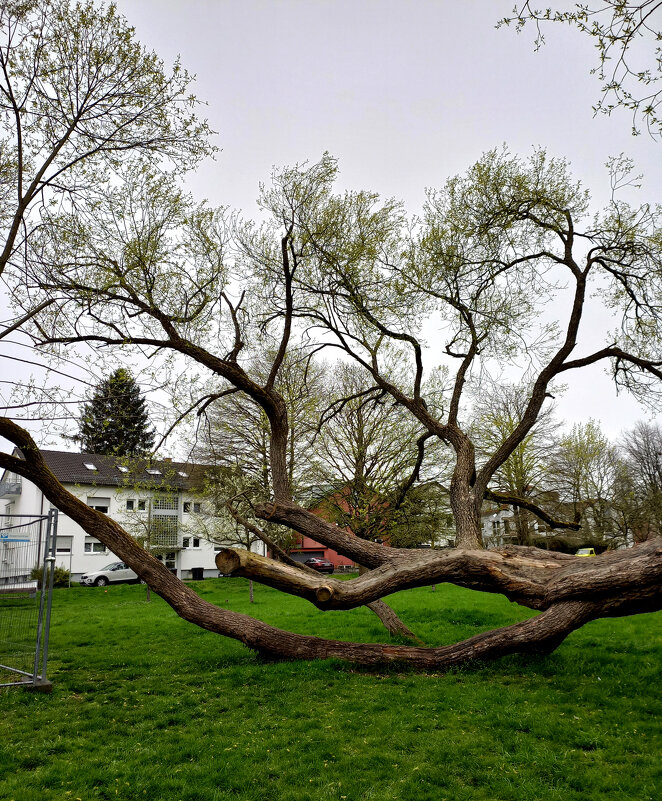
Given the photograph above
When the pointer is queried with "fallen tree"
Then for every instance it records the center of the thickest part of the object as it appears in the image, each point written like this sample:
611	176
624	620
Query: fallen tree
570	591
490	253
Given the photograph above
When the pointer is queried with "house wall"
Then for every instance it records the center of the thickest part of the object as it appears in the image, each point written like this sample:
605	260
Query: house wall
495	526
80	553
308	547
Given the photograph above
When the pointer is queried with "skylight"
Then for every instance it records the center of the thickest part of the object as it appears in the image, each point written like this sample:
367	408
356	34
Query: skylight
153	471
122	469
182	474
90	466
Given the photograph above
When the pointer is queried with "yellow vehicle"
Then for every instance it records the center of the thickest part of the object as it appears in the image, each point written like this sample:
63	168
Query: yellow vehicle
585	552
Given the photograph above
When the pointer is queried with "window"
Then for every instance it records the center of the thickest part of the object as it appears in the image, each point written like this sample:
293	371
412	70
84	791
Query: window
100	504
170	561
63	544
187	506
90	466
166	503
182	474
94	546
197	508
142	505
191	542
164	531
130	505
122	469
153	471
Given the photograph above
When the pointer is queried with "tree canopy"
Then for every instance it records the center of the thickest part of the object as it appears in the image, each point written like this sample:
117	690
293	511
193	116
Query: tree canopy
116	420
80	101
349	272
627	38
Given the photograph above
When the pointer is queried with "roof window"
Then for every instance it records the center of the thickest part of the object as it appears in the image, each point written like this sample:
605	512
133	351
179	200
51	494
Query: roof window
153	471
182	474
122	468
90	466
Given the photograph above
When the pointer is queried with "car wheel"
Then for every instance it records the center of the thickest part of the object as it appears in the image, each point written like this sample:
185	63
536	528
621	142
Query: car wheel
101	581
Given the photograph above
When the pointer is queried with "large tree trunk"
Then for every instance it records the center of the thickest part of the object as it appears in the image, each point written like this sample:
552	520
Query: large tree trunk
569	590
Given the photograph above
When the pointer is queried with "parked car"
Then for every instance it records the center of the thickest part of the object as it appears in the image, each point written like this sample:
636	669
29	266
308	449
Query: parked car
321	565
114	573
585	552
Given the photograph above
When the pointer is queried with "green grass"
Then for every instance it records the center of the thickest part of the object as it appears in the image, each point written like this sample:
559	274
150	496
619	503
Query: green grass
147	706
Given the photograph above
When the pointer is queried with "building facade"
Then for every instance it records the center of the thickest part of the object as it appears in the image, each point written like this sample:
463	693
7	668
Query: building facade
160	503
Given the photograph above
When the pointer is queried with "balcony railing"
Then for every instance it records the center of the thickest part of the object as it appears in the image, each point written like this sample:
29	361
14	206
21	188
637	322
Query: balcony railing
165	533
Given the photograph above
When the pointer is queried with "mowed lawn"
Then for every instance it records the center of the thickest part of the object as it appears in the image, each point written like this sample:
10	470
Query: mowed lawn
147	706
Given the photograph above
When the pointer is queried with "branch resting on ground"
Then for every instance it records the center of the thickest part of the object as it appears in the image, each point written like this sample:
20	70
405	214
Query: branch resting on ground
570	589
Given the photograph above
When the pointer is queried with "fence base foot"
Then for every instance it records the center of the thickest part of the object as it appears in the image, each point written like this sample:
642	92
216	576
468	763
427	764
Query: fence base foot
40	686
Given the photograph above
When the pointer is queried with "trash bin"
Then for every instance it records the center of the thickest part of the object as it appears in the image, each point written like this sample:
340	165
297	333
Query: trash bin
197	573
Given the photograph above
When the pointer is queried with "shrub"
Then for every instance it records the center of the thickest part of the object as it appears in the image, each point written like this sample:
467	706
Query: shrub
60	577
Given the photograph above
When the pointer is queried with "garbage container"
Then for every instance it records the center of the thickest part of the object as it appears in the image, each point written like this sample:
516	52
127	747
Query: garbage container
197	573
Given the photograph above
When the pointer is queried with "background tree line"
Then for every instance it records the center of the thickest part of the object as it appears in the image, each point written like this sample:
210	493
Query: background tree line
360	462
612	488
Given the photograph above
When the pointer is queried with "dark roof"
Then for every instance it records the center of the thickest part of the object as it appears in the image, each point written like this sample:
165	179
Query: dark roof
69	468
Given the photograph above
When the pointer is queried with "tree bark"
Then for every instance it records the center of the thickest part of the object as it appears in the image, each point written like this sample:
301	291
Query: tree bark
570	590
534	578
392	622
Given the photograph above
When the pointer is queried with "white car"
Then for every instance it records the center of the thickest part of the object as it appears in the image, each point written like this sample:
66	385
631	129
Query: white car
114	573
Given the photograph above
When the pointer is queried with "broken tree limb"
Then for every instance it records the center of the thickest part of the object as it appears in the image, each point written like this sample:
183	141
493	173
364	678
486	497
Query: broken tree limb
315	588
616	583
536	579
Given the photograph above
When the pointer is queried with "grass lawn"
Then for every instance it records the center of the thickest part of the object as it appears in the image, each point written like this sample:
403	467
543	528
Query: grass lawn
147	706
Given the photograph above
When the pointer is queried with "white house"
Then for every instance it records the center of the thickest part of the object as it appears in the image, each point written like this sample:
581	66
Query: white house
158	502
495	527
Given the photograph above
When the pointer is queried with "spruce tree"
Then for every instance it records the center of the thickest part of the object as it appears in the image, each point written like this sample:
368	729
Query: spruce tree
115	421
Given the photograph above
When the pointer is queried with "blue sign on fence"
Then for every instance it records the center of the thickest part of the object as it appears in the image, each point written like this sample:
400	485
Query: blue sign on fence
5	536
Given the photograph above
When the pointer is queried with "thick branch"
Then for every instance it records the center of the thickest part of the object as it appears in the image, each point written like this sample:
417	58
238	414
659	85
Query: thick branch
370	554
537	579
641	567
614	352
524	503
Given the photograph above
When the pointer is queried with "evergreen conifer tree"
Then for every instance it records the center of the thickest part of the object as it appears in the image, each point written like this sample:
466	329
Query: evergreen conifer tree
115	421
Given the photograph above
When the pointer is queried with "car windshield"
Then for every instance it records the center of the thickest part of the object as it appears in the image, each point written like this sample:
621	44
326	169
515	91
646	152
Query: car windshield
111	566
584	550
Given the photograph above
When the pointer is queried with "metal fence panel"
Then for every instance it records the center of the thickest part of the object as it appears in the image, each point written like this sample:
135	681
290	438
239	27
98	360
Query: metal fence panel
27	563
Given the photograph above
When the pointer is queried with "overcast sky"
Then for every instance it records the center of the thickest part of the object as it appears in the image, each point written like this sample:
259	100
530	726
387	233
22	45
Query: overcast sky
404	93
